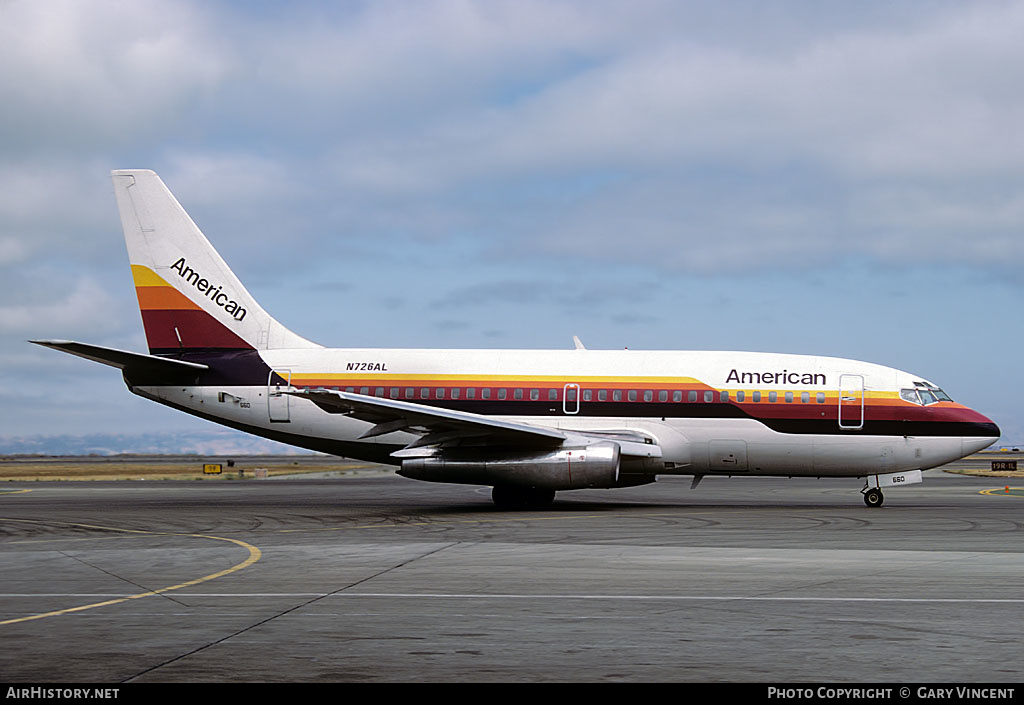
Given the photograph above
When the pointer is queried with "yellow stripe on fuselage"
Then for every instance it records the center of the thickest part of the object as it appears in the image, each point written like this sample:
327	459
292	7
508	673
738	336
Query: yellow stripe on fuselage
494	379
397	379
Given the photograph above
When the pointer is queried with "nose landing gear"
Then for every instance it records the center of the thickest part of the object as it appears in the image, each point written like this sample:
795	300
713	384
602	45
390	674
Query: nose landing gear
873	483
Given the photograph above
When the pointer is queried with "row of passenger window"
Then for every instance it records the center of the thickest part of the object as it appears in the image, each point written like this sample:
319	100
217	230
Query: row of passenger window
519	394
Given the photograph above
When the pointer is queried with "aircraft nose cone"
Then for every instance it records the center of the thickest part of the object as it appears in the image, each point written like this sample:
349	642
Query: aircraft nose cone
974	444
988	433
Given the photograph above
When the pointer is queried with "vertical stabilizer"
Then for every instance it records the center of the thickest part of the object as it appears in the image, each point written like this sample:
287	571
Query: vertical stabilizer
189	297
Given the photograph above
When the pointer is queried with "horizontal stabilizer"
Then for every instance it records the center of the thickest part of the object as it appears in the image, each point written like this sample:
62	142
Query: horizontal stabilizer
138	367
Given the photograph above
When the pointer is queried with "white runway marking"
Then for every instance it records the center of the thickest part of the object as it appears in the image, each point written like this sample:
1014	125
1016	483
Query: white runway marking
509	596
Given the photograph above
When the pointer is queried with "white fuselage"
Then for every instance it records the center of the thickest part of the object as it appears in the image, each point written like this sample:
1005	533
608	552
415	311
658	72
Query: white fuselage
803	390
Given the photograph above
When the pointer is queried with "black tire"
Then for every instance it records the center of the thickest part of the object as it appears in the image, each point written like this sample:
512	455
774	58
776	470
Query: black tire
512	497
539	498
874	498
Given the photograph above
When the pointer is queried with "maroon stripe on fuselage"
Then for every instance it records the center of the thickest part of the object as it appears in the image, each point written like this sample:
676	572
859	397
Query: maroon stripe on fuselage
197	329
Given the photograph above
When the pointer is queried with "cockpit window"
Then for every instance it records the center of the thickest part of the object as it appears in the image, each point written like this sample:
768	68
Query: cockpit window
926	392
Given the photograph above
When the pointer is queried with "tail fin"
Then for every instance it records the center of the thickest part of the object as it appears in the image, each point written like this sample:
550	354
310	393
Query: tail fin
189	297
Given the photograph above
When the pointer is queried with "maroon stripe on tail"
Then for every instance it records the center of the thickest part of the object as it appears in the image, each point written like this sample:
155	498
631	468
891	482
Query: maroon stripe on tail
198	330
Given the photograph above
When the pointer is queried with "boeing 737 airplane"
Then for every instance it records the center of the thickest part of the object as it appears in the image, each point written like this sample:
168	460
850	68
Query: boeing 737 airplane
526	422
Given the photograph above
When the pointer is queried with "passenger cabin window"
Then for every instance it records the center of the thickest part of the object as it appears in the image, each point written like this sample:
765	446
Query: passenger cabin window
789	397
805	397
648	395
691	396
517	394
632	395
393	392
439	393
485	393
773	396
723	396
821	397
534	394
552	395
456	392
379	392
756	396
588	394
709	397
677	396
410	392
602	395
663	396
617	395
740	396
471	392
502	394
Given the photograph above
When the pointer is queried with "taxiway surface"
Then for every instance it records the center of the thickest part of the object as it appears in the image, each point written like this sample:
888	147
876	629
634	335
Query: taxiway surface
378	578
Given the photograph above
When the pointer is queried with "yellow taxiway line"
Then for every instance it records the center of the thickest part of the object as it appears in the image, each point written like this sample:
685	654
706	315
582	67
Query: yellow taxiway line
1012	491
254	555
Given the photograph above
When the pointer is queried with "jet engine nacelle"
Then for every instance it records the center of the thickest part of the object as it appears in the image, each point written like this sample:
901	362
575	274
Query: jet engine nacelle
593	465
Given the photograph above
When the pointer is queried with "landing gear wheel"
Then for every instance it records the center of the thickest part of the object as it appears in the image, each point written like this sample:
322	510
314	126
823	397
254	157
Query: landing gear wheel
512	497
873	497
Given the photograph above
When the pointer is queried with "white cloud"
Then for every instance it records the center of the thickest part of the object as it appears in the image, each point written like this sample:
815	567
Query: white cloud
53	194
866	103
86	308
80	73
928	110
228	178
12	250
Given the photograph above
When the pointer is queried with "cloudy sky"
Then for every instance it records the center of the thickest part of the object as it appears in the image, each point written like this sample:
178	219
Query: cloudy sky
817	177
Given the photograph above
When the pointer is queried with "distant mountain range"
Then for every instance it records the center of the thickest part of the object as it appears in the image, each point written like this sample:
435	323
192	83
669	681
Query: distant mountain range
214	442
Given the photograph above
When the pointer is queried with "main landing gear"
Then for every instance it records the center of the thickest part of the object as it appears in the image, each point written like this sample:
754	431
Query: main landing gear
873	497
514	497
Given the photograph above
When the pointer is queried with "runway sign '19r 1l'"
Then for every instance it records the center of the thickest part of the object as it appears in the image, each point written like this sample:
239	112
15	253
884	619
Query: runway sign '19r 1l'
527	422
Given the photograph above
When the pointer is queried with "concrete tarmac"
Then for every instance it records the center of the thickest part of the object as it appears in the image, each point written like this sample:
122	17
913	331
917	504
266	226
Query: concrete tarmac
378	578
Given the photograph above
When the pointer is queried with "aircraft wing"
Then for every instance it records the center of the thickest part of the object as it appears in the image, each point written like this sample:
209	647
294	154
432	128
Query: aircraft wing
435	426
441	426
